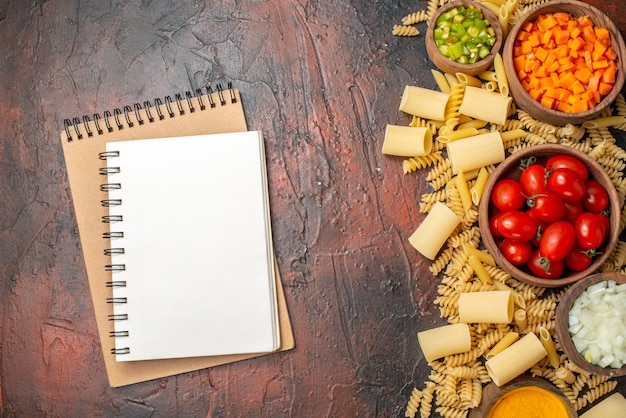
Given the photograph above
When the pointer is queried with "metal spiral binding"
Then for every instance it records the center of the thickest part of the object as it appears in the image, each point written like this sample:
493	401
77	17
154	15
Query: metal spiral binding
114	267
75	128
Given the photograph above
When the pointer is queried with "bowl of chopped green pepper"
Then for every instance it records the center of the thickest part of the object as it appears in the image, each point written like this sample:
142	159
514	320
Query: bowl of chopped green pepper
463	36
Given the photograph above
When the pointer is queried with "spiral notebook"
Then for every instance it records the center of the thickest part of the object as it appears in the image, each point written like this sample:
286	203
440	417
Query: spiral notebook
148	340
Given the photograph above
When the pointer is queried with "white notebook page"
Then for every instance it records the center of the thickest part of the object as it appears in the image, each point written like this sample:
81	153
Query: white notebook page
197	247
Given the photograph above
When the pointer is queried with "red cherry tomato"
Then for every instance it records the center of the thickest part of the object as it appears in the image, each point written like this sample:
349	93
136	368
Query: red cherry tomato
533	180
546	207
543	268
566	184
516	225
605	221
590	232
579	259
516	252
596	198
493	225
507	195
568	161
572	211
557	240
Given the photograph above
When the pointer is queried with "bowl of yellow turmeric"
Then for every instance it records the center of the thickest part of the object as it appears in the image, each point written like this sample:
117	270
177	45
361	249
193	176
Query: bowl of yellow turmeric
524	396
564	62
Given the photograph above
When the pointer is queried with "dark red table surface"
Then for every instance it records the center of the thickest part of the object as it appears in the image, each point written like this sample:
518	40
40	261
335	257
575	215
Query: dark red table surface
321	79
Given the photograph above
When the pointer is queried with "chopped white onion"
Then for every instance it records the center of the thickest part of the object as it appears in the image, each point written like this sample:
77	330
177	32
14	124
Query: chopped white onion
597	323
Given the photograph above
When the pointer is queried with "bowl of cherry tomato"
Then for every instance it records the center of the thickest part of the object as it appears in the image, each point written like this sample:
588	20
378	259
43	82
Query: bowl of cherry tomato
550	215
564	62
463	36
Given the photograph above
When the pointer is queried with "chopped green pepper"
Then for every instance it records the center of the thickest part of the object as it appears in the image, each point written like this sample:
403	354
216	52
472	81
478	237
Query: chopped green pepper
463	35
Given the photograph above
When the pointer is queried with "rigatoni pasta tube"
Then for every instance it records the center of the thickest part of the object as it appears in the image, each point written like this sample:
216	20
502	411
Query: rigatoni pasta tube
476	151
434	230
612	406
426	103
515	359
491	307
445	341
485	105
407	141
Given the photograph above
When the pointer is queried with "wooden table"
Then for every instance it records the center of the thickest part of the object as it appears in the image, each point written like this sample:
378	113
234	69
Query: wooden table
322	80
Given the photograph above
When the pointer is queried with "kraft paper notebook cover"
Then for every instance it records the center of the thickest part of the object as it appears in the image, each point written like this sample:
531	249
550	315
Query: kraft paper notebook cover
84	144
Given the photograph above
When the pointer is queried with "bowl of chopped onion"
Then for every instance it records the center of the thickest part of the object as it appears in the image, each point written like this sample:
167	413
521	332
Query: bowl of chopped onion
591	325
463	36
564	62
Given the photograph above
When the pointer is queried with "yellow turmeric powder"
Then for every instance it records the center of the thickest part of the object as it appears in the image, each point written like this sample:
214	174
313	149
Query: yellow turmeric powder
529	402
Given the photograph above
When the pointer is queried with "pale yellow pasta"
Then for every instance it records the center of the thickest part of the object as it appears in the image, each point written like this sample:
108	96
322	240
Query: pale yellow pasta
517	298
477	189
511	5
406	141
505	342
480	270
548	344
515	359
491	85
602	389
604	122
475	152
612	406
413	403
457	134
486	105
503	18
513	134
565	374
488	75
520	318
434	230
472	123
441	80
452	80
469	80
404	30
492	6
464	192
425	103
483	256
444	341
493	307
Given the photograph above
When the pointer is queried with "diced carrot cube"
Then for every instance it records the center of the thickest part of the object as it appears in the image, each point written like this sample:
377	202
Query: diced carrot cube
547	102
593	83
600	64
541	54
583	74
609	74
605	88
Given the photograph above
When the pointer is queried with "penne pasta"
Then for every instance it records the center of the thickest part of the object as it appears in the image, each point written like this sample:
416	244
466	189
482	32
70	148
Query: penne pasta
469	80
503	18
505	342
407	141
517	298
441	80
472	123
464	192
479	269
453	135
488	75
476	191
486	105
483	256
434	230
475	152
501	79
604	122
425	103
548	344
490	307
513	134
445	341
520	318
515	359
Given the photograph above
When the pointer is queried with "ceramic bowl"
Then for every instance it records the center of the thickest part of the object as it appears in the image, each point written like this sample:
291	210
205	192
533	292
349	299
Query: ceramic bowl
449	66
524	101
509	168
562	324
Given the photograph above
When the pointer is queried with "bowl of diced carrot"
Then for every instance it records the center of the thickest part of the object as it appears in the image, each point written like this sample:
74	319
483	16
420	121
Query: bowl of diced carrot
564	61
